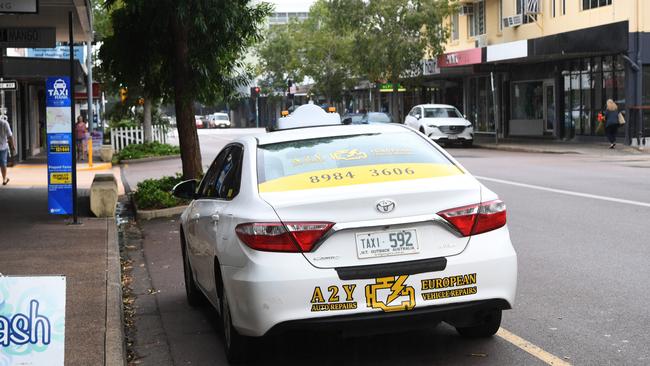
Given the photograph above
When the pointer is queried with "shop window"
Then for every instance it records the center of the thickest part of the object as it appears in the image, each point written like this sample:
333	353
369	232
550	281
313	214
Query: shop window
592	4
528	100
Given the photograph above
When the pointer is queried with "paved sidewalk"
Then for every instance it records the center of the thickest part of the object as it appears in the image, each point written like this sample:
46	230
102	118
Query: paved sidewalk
560	147
32	242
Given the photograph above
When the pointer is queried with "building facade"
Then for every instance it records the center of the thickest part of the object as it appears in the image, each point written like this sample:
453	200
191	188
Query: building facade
544	68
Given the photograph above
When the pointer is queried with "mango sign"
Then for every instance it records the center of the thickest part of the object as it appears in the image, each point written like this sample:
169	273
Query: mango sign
32	320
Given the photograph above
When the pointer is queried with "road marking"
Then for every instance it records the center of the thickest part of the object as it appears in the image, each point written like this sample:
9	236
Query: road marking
532	349
570	193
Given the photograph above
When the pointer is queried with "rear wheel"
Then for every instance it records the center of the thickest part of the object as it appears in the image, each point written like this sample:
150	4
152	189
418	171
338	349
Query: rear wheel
235	344
487	327
192	292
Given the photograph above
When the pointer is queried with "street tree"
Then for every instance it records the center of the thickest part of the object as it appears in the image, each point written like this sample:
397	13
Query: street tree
392	37
278	61
194	53
326	53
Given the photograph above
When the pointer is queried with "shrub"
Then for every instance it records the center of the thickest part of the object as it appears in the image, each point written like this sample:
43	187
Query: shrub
139	151
156	193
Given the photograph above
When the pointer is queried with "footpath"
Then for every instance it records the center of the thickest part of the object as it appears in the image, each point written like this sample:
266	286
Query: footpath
561	147
34	243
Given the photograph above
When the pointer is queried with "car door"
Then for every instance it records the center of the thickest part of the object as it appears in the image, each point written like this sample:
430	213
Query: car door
411	119
220	189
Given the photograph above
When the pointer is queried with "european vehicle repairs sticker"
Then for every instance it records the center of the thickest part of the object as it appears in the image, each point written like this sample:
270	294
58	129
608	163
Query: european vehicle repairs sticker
450	282
364	174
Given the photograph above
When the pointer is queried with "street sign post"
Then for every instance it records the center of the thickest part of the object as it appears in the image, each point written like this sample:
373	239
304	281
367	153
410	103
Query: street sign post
8	85
19	7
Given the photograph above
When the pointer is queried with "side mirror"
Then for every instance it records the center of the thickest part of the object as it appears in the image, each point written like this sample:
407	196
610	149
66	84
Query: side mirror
185	190
465	116
347	121
417	116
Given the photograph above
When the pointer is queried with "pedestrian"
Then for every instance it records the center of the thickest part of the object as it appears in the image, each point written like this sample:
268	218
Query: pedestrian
80	131
6	146
611	122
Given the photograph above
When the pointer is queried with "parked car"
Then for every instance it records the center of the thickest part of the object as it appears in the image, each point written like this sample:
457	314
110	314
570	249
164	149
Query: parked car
352	118
442	123
199	122
376	117
336	226
219	120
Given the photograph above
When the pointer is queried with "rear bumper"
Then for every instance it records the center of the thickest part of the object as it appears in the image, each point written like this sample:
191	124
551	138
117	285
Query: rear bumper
390	322
278	291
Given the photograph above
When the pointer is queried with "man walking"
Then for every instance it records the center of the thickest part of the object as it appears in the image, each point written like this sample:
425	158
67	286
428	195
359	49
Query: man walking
6	142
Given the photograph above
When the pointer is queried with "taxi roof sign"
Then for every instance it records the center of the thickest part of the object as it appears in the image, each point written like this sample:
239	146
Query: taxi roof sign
308	115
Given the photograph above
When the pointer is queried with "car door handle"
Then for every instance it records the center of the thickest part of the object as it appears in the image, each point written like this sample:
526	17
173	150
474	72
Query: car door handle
215	218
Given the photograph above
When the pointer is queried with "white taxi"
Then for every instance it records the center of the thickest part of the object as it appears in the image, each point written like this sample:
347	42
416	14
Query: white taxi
342	226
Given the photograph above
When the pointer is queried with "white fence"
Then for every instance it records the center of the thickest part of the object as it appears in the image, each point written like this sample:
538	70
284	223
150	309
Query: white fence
124	136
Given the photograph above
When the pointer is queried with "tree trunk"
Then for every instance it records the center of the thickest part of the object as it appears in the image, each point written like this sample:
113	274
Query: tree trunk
394	104
146	125
187	135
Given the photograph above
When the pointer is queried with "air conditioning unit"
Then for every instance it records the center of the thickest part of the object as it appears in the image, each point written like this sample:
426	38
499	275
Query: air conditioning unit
481	41
513	21
466	10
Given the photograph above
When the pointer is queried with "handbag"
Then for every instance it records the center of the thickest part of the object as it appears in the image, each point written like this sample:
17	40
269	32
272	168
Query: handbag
621	119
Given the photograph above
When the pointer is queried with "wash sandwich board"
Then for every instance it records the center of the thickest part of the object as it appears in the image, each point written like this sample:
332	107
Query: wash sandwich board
32	320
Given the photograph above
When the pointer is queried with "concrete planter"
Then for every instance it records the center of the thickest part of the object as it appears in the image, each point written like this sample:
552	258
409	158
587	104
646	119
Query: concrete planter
106	153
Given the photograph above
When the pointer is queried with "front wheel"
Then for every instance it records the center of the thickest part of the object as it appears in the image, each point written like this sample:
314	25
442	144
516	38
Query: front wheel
235	344
487	327
422	130
468	144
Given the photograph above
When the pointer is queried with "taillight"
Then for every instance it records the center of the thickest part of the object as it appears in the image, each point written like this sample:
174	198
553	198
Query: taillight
278	237
477	219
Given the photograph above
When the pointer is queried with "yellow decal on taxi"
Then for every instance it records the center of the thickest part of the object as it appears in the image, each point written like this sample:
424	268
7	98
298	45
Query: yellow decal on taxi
386	290
364	174
352	154
60	178
334	301
449	282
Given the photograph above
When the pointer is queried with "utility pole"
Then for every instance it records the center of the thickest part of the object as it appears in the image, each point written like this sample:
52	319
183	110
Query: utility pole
75	209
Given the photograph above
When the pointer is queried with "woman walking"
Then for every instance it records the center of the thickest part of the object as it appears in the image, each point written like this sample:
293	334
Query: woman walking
611	122
80	137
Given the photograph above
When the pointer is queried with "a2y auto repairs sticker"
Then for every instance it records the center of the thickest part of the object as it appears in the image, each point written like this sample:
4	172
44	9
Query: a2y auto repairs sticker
334	301
449	282
363	174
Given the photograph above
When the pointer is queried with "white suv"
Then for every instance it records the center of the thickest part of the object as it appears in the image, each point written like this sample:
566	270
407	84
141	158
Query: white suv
441	122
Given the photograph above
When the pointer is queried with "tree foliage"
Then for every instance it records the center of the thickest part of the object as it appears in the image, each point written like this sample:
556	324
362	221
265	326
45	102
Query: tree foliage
343	41
183	51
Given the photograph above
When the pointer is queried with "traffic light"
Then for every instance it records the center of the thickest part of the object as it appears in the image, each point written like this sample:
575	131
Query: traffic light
123	94
255	92
289	85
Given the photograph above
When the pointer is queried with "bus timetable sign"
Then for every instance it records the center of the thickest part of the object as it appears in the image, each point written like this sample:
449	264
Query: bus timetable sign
19	6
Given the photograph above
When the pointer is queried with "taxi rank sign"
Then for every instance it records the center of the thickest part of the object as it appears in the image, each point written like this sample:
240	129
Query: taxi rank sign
59	146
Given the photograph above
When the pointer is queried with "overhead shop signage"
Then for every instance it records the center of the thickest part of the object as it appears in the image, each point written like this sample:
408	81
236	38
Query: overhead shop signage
18	6
507	51
59	52
25	37
388	88
461	58
32	320
59	145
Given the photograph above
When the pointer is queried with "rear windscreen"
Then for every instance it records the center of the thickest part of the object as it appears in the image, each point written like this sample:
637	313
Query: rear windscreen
349	160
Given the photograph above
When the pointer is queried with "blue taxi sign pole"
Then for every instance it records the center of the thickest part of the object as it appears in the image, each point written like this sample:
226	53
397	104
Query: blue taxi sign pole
73	150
